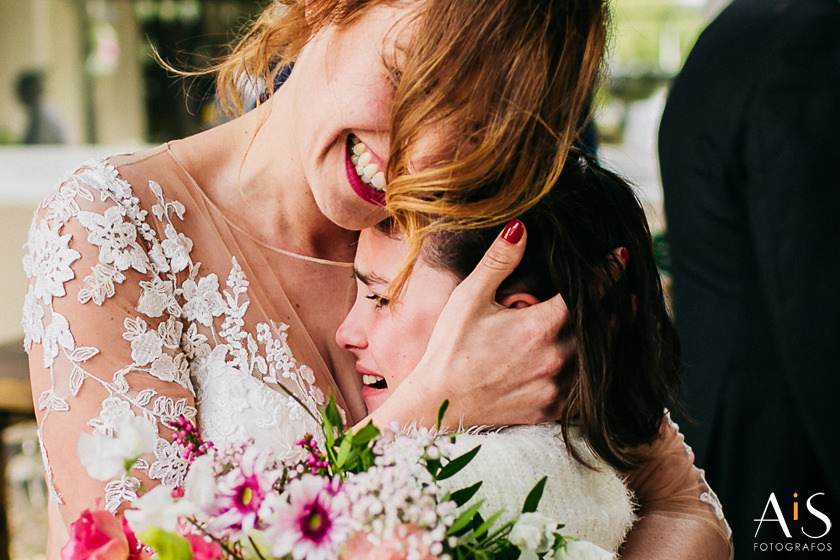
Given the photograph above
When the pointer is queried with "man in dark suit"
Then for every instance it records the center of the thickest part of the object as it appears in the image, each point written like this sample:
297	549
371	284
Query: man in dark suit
749	149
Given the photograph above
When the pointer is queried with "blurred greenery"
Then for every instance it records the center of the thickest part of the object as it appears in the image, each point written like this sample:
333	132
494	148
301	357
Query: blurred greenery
650	40
652	37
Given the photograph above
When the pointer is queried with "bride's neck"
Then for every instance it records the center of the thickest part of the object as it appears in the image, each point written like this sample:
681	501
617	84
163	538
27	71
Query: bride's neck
237	165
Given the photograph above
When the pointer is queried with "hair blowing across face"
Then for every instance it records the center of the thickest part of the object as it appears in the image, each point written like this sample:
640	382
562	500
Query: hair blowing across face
629	352
499	87
489	95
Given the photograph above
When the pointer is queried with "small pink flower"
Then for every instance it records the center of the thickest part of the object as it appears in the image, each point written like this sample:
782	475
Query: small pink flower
313	524
241	493
204	549
99	535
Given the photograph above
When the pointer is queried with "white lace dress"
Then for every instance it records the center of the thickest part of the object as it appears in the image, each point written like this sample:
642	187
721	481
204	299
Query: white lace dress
144	300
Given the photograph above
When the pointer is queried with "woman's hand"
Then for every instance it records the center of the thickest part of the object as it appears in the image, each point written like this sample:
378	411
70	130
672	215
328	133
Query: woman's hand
496	366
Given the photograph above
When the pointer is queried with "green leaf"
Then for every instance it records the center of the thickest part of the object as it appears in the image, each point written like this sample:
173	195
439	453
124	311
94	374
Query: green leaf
168	546
464	520
456	464
366	434
332	417
344	451
534	496
433	466
484	527
462	496
441	411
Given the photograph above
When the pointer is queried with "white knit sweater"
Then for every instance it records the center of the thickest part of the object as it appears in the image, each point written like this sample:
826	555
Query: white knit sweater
594	505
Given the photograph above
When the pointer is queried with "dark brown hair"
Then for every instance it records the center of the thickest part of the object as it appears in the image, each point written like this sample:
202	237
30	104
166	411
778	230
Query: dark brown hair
629	352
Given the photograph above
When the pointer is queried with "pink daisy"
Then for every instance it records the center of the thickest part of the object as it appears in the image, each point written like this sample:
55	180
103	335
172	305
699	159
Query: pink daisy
313	524
241	493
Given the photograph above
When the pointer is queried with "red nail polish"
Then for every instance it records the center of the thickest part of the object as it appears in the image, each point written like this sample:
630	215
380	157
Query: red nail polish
513	232
624	255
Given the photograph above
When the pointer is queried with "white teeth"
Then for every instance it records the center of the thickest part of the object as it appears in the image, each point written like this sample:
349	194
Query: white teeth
370	169
378	181
366	168
369	379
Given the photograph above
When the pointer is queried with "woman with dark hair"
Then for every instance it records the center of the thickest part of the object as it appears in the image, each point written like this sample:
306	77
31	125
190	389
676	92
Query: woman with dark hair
192	277
588	241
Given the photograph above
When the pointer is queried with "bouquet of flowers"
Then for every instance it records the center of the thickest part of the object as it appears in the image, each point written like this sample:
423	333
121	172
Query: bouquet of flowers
351	495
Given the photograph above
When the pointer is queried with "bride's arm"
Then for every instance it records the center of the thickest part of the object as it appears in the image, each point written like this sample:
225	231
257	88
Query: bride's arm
680	515
94	357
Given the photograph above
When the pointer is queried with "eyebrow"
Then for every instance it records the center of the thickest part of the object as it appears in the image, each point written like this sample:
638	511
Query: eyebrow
370	278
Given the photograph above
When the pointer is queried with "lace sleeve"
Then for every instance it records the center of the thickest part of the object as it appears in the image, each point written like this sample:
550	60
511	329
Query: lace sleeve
103	334
668	484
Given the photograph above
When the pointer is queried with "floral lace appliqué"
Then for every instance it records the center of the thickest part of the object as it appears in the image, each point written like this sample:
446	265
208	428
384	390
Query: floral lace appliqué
173	338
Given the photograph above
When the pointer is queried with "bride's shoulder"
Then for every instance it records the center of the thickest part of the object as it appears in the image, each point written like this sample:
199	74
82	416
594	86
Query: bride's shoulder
103	174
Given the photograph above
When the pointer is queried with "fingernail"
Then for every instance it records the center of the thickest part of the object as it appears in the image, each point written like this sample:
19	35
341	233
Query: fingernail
624	255
513	232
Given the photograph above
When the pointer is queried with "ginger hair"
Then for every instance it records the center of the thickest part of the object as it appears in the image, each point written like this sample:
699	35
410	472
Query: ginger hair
499	85
504	83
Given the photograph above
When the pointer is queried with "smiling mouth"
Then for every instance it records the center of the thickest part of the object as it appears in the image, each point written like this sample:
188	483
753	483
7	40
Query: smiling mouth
367	169
363	172
374	381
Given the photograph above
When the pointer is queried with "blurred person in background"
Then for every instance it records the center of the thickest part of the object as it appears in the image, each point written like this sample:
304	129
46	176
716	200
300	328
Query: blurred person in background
43	125
747	143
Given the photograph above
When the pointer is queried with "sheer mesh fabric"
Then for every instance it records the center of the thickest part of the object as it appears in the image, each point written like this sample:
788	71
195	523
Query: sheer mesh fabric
144	300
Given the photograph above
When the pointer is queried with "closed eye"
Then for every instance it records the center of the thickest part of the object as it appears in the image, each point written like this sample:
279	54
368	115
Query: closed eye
379	301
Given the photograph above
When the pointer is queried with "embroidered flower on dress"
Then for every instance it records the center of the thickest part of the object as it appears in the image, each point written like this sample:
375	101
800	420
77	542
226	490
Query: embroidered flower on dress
167	368
146	346
99	286
203	301
116	238
114	411
169	467
157	296
47	262
176	247
194	343
174	346
57	335
32	321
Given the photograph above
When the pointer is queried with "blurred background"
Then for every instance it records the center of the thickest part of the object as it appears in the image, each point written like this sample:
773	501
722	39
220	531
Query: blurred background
78	81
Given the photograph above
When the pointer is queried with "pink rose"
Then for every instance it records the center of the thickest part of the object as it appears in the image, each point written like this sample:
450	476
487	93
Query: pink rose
203	549
135	547
360	548
97	535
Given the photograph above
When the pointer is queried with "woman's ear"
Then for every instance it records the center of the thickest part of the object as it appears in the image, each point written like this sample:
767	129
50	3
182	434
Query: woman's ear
518	300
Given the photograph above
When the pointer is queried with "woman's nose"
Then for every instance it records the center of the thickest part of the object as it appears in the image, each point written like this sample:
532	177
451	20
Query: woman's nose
350	334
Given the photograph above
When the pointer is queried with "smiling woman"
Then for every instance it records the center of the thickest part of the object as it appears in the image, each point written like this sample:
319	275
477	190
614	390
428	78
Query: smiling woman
194	277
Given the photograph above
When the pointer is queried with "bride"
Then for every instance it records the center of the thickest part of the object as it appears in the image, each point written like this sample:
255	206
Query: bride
193	277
